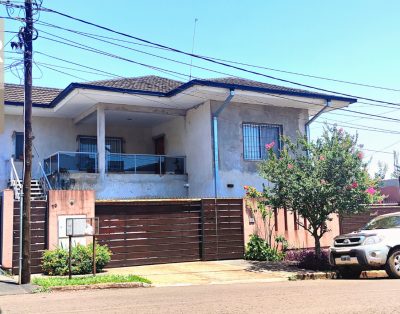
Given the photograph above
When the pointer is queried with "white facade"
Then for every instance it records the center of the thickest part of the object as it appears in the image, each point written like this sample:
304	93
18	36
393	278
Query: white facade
187	131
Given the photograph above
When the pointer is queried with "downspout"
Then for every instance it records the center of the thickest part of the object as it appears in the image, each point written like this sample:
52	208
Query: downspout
307	126
215	135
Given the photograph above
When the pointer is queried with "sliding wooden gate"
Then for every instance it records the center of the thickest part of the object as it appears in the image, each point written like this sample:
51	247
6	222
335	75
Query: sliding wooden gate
166	231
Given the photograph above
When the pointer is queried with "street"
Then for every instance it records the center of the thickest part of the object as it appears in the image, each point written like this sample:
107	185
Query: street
319	296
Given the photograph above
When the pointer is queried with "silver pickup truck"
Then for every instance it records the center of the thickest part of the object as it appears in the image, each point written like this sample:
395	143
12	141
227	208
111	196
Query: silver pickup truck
375	246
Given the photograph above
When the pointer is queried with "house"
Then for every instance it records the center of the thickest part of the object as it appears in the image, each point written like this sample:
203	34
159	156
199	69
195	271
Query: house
153	137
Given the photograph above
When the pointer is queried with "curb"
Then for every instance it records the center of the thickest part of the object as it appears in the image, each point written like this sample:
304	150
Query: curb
102	286
315	276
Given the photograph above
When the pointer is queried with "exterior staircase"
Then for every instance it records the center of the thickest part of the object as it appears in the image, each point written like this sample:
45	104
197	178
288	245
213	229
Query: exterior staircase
37	192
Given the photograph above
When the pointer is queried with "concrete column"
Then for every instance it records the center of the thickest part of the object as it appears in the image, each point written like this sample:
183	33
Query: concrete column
101	140
7	227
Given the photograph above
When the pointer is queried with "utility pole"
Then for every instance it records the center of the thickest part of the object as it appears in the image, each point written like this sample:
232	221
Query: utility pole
26	210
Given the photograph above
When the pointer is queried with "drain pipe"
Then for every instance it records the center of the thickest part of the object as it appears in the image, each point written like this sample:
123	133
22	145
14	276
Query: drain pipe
307	126
215	135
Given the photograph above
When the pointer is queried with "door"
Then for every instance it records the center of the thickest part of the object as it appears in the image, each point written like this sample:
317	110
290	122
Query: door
159	148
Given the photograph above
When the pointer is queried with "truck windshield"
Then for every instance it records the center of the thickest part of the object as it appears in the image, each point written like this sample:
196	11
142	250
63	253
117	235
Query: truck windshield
387	222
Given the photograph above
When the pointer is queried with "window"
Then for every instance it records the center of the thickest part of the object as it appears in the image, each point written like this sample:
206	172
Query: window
89	144
256	136
19	146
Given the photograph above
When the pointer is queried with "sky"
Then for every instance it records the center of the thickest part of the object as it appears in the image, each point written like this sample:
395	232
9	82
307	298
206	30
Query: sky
355	41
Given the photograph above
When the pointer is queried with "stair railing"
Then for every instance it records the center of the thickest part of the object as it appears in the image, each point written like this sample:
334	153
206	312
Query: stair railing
14	180
46	183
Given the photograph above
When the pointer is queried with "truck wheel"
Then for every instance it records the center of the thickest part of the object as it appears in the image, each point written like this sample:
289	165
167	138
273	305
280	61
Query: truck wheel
393	264
348	273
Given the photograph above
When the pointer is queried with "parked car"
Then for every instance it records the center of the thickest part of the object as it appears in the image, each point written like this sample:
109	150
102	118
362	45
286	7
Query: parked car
375	246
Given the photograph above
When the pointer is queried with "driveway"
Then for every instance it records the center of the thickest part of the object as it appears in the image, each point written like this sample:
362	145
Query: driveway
215	272
9	286
312	296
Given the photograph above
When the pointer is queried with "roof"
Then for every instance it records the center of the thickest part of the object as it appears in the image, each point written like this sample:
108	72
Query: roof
154	86
41	96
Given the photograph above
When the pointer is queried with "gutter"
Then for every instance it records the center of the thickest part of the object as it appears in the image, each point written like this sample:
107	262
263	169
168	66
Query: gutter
307	126
215	137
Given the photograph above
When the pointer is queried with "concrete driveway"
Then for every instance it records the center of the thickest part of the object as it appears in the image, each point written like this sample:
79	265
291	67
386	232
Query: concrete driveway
9	286
215	272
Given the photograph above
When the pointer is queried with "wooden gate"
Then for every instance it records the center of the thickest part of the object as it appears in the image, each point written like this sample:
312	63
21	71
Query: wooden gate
166	231
38	235
354	222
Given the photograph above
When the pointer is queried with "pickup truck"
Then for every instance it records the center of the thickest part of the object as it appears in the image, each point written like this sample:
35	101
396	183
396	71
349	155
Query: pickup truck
375	246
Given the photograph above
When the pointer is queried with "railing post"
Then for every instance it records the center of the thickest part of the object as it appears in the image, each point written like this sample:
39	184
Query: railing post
58	162
135	162
95	162
159	163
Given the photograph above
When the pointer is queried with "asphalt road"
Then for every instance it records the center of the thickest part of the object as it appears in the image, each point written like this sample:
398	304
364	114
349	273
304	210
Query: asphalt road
320	296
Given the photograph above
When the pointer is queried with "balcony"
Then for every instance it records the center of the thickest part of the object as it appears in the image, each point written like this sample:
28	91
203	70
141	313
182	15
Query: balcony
72	162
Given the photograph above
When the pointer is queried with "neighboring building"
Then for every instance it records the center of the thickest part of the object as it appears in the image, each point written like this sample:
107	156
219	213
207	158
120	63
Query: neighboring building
155	137
391	189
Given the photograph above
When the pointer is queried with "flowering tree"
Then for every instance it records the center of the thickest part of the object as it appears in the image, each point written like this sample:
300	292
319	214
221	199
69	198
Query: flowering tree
318	179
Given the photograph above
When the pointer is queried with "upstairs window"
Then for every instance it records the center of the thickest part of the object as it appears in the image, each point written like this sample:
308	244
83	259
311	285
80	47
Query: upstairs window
256	136
19	146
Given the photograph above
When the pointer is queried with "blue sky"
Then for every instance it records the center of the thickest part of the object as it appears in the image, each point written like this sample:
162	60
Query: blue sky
354	40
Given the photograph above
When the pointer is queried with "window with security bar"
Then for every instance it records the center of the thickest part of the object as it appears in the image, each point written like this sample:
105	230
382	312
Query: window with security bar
256	136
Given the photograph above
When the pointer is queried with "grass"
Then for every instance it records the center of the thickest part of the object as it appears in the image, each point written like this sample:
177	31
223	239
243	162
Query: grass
47	282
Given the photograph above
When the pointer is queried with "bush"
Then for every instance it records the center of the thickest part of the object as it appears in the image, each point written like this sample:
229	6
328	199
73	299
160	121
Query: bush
309	260
55	262
257	249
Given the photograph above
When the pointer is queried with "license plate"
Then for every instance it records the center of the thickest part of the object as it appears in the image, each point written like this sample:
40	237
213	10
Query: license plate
345	258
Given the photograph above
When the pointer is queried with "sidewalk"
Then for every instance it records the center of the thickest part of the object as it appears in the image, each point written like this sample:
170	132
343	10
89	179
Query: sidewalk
196	273
9	286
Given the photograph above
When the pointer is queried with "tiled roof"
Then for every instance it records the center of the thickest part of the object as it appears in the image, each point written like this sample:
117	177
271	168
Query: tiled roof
144	83
43	96
251	83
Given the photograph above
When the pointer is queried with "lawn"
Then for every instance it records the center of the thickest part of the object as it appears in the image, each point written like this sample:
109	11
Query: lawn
47	282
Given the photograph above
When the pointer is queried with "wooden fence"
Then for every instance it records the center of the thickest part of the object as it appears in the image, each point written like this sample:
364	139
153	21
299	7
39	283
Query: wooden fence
165	231
355	222
38	235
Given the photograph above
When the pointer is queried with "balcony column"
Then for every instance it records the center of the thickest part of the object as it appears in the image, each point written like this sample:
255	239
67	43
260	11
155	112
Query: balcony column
101	140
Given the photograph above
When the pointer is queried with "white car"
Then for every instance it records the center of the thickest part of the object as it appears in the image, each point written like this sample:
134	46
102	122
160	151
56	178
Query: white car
375	246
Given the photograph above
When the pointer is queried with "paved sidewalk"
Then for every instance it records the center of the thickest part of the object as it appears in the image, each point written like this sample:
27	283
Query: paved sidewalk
215	272
9	286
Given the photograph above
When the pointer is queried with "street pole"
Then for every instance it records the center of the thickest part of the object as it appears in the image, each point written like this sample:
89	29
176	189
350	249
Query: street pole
26	210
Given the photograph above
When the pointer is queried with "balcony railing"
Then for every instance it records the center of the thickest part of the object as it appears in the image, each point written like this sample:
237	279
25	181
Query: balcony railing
145	164
63	162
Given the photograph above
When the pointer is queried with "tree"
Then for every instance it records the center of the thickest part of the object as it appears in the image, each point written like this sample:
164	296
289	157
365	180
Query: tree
318	179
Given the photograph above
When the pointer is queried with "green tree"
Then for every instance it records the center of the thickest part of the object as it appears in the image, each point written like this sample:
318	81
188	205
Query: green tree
318	179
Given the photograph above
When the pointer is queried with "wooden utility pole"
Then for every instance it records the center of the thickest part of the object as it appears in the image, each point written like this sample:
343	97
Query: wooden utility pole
26	210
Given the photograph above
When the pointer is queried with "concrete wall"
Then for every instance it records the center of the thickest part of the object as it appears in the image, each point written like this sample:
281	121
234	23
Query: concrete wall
67	204
297	237
119	186
233	168
174	132
7	219
199	151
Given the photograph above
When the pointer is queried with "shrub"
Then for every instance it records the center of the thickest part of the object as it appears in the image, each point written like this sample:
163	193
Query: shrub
55	262
309	260
257	249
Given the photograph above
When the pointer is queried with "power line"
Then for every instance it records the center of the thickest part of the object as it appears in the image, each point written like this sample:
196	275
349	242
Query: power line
207	59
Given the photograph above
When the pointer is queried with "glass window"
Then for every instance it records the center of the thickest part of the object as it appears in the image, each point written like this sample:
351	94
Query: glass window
256	136
387	222
89	144
19	146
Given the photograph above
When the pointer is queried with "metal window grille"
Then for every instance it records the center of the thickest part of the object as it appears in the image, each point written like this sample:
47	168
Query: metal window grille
256	136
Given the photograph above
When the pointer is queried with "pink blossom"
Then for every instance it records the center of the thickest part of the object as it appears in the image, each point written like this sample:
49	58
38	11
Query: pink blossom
323	182
246	187
322	157
371	191
360	155
354	185
290	166
270	145
341	131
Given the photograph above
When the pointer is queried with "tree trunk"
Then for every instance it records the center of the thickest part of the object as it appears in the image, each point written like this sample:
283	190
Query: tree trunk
317	245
